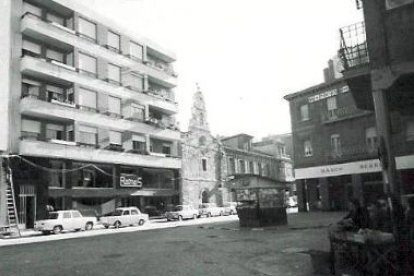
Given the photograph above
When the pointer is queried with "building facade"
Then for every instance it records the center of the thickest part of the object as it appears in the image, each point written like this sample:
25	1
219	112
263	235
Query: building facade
201	159
336	148
87	111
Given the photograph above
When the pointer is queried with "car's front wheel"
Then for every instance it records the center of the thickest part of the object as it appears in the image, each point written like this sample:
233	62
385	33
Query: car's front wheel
89	226
57	229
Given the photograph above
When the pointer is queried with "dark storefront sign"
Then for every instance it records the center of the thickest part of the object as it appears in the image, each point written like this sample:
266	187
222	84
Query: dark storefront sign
130	181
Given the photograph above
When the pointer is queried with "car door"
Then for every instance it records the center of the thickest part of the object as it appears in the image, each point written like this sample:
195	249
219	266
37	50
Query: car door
77	220
126	217
134	216
67	221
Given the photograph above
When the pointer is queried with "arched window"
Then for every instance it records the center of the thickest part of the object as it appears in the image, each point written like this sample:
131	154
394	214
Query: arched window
202	141
204	197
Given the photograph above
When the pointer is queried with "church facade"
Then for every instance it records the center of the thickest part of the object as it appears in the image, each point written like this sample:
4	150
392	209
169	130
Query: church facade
201	159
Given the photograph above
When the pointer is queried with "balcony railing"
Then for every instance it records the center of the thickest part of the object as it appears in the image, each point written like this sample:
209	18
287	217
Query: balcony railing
161	66
354	50
351	152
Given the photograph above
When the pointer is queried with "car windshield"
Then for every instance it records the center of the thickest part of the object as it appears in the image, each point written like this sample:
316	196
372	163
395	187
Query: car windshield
52	216
178	208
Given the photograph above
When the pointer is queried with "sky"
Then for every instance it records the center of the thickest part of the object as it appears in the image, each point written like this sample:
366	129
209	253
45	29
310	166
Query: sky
245	54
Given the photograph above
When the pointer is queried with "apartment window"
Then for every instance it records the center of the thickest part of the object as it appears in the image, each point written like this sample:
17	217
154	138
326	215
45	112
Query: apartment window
87	135
54	93
251	167
31	48
332	107
135	50
255	168
30	88
115	138
304	112
87	99
166	148
87	64
70	133
114	73
55	19
54	131
232	166
137	82
242	166
410	131
30	129
114	105
282	150
87	29
204	164
29	8
336	145
113	41
308	148
138	143
371	139
55	55
260	169
138	112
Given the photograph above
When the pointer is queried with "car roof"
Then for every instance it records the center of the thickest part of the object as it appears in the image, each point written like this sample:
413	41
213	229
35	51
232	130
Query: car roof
126	208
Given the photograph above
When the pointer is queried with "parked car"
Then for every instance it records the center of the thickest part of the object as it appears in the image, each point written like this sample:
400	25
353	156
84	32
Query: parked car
210	210
181	212
230	208
152	211
124	216
65	220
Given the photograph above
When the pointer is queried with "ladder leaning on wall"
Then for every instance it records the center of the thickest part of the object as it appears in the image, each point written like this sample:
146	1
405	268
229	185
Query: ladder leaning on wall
12	217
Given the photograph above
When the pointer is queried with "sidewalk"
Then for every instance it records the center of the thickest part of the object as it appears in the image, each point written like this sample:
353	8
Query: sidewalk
296	221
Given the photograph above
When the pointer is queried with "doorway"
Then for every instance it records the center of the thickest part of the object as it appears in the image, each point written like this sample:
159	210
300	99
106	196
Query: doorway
204	197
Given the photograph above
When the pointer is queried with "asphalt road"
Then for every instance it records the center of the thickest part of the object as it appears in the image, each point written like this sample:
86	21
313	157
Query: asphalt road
211	249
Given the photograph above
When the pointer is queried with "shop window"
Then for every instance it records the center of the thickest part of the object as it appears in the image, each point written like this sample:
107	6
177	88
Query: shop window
158	178
135	50
87	29
90	177
336	145
304	112
371	139
56	176
308	148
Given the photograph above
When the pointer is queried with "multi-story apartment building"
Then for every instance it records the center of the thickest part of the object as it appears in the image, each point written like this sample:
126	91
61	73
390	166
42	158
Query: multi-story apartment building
87	111
336	148
377	57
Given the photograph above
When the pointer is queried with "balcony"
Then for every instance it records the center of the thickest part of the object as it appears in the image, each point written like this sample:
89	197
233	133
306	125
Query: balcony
90	154
343	113
353	51
350	153
37	108
63	37
61	73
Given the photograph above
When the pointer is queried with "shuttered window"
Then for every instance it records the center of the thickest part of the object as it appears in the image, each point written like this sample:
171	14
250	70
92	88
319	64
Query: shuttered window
87	63
55	55
114	105
115	137
308	148
87	98
32	47
137	81
135	50
371	139
138	138
56	19
304	112
30	126
138	112
29	8
54	131
114	73
113	40
87	28
87	135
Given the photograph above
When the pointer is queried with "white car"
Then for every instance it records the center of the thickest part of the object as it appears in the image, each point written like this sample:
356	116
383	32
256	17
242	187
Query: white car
181	212
210	210
124	216
65	220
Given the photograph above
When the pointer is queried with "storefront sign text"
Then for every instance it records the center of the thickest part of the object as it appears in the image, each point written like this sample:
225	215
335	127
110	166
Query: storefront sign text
130	181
